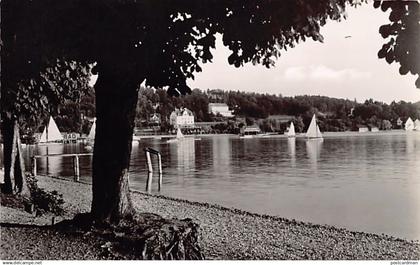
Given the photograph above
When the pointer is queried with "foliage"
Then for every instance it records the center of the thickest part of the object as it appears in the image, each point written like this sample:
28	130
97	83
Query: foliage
167	40
403	35
44	201
334	113
299	125
68	118
23	96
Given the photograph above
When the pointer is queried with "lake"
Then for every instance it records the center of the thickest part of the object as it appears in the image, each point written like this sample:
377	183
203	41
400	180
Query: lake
361	182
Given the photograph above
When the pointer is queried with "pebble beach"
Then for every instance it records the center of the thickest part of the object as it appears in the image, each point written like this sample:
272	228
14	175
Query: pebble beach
226	233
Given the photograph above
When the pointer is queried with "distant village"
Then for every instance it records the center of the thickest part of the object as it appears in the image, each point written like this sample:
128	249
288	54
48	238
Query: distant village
234	112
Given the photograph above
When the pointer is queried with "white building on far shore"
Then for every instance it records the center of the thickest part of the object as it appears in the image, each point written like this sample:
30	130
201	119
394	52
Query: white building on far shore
363	129
182	117
220	108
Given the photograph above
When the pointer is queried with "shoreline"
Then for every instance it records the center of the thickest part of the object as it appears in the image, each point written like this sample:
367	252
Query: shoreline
326	135
276	135
229	233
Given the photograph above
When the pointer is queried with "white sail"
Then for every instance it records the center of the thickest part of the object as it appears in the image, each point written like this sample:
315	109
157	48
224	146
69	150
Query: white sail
179	134
51	133
409	124
318	131
417	125
313	130
43	138
291	132
91	135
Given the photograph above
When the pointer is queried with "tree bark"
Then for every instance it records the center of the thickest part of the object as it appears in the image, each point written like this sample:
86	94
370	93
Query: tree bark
14	166
116	100
8	160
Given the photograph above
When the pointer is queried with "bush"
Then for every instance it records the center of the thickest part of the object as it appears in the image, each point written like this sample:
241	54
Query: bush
45	201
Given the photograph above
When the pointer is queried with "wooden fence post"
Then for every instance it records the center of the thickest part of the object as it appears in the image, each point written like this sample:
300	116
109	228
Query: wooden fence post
34	166
160	171
149	162
76	168
149	151
149	182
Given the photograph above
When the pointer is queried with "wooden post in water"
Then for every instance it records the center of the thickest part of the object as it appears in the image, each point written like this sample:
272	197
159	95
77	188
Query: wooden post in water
150	171
160	171
76	168
34	166
149	162
149	151
149	182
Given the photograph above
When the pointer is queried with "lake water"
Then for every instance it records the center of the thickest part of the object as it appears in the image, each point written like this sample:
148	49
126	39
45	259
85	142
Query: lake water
361	182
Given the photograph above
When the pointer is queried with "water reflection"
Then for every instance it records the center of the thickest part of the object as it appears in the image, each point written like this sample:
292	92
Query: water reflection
411	142
379	176
50	165
222	155
291	145
183	152
313	150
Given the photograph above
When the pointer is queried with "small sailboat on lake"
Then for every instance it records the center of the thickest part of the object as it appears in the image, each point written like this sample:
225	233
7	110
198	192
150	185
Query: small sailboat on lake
179	136
417	125
291	132
51	133
313	132
91	137
409	125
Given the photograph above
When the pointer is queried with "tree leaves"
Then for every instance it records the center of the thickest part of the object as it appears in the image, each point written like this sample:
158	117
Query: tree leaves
403	36
43	92
167	39
170	39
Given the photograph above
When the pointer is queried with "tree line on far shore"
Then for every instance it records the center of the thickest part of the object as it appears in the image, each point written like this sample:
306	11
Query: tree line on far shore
270	112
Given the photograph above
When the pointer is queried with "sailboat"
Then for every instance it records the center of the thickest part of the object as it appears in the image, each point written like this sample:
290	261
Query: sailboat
51	133
91	137
291	132
179	136
409	124
313	130
417	125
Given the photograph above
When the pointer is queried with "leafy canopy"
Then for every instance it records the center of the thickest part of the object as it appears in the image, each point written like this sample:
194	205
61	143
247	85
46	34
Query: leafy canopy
33	81
48	45
164	41
403	36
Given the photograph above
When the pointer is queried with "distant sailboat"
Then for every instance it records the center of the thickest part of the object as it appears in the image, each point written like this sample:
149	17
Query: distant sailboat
417	125
291	132
91	137
313	130
92	131
51	133
179	136
409	124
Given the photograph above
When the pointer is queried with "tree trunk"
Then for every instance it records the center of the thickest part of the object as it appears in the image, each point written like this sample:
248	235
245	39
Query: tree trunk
14	166
116	100
8	160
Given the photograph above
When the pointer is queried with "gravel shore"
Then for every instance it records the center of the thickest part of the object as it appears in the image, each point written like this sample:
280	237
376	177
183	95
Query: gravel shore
227	233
